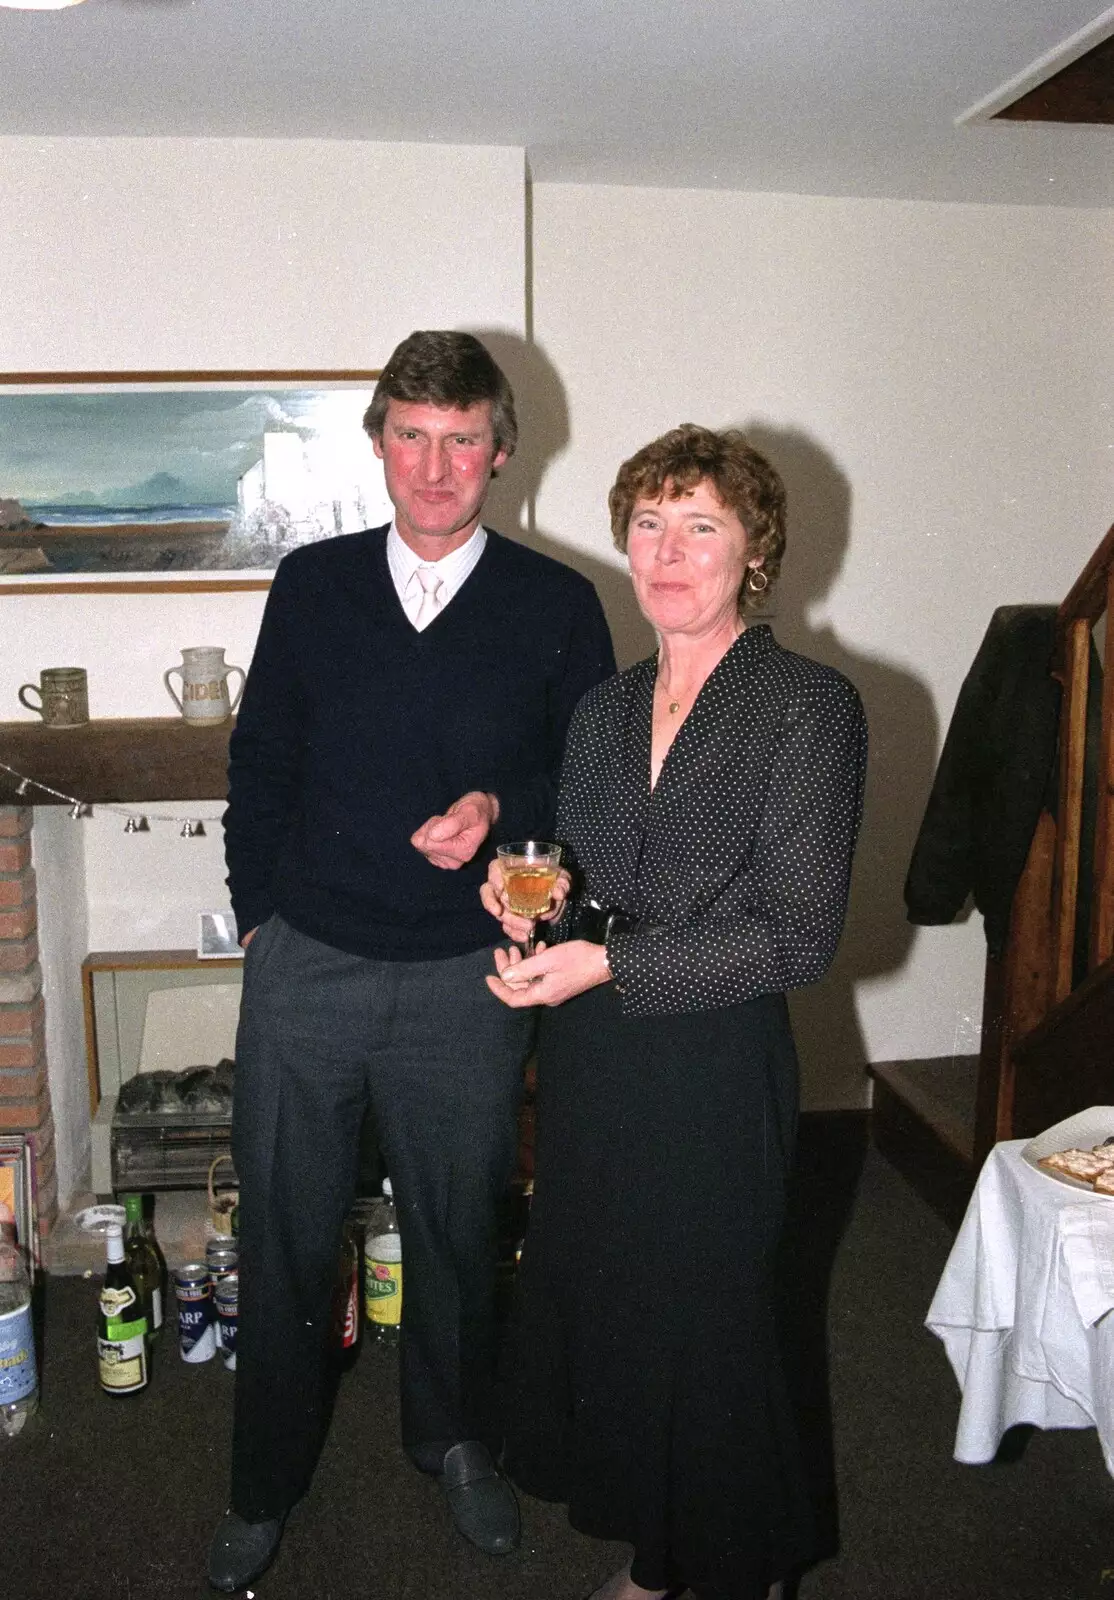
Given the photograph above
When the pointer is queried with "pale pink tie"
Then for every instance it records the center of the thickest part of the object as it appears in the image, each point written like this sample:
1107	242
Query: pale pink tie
430	603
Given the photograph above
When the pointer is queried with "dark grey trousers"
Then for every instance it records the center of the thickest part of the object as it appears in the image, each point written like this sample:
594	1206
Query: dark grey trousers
440	1059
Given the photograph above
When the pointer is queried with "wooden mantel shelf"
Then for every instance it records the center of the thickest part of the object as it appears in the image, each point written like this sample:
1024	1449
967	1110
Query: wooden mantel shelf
117	759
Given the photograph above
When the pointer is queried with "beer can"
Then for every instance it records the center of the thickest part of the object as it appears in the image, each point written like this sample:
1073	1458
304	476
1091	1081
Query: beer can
222	1258
227	1299
196	1321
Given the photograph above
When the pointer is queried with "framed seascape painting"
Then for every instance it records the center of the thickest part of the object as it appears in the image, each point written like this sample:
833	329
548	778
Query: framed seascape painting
117	481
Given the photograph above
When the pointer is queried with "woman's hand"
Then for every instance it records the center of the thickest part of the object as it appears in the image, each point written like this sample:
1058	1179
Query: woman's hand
494	897
550	976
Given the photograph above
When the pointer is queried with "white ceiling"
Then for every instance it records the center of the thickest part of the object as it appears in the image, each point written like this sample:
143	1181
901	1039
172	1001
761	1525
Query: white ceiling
837	97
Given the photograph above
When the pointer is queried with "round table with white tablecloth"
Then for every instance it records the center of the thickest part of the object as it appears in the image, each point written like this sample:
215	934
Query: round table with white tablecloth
1023	1307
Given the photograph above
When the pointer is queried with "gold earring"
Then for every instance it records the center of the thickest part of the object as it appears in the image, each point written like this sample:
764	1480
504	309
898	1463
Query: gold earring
752	581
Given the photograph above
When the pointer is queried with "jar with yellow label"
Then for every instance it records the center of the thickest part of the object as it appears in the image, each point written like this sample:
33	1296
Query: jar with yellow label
383	1271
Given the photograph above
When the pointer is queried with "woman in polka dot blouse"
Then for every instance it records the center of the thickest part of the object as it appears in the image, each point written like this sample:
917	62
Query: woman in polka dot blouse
710	801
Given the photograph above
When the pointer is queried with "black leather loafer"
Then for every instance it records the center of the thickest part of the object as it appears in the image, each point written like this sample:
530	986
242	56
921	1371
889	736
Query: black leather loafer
481	1502
241	1550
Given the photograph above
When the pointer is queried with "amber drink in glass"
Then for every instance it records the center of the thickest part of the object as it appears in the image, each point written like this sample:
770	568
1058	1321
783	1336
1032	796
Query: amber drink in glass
529	868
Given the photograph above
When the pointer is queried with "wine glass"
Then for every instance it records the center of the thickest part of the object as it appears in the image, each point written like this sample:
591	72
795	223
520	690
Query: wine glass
529	868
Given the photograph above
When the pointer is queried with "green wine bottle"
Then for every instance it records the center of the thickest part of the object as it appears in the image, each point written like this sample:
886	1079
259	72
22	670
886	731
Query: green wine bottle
122	1335
160	1260
143	1258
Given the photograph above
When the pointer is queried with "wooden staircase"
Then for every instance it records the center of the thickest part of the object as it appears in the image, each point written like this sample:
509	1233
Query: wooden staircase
1047	1047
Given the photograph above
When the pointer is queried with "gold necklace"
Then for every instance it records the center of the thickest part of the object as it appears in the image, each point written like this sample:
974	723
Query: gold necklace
675	705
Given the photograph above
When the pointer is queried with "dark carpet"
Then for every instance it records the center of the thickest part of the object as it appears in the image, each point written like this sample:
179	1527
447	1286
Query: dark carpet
115	1499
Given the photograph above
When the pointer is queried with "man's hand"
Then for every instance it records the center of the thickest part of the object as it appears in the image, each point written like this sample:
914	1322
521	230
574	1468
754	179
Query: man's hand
248	937
452	840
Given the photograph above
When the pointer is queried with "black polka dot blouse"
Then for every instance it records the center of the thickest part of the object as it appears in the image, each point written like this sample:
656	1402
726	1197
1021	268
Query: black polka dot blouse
739	860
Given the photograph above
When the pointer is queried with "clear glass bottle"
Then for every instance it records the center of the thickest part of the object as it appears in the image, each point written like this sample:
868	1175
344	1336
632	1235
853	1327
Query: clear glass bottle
122	1334
19	1379
143	1258
383	1271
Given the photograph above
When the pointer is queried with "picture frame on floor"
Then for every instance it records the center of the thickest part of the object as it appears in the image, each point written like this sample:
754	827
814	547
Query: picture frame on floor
17	1190
216	936
193	481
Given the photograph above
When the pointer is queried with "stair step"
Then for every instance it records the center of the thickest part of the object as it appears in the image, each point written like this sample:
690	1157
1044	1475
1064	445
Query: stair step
940	1091
923	1121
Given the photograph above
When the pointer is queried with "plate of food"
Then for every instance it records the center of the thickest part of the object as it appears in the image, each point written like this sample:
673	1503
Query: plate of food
1078	1151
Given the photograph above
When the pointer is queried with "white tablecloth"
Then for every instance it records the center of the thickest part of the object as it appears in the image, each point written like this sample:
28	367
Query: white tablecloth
1022	1307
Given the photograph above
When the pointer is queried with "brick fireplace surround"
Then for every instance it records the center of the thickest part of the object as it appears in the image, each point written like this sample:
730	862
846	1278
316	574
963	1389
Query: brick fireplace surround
123	761
24	1090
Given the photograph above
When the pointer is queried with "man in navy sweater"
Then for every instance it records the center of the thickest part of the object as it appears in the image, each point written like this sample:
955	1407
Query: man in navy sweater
405	709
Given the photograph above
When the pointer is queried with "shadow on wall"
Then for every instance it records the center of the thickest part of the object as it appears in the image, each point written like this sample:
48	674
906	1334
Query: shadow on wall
543	424
903	746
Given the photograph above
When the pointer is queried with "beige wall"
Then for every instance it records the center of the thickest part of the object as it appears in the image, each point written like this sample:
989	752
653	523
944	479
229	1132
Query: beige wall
249	252
156	254
935	383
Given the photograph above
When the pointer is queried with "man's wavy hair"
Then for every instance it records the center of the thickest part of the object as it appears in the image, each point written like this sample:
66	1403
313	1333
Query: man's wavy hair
744	480
441	368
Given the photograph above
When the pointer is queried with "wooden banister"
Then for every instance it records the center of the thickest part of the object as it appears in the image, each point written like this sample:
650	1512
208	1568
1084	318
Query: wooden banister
1086	602
1102	904
1073	745
1048	1027
1067	1062
1088	595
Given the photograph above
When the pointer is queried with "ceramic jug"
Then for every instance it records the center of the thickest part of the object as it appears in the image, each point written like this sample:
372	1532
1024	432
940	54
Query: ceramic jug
204	675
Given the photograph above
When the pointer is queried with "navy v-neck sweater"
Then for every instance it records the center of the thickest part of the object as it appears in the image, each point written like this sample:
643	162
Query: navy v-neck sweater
354	729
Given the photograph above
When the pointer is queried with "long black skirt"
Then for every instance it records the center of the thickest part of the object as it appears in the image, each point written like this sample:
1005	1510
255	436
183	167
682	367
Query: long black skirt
644	1383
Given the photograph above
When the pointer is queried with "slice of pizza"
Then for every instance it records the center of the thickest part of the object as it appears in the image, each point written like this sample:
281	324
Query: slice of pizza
1082	1164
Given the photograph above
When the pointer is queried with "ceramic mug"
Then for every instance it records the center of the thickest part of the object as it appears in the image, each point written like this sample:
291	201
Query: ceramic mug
63	697
204	675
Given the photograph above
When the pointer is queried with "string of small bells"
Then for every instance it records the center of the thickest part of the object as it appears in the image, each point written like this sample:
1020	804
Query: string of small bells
192	827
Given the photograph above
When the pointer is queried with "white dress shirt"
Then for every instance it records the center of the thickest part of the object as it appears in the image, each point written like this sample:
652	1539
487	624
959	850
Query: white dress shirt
452	569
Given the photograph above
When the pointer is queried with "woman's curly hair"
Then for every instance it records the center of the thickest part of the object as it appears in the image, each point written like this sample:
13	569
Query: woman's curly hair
744	480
